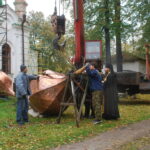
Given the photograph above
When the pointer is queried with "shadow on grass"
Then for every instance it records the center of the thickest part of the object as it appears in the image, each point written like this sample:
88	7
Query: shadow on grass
134	102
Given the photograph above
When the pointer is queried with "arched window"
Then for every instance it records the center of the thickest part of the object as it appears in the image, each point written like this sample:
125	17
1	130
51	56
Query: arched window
6	58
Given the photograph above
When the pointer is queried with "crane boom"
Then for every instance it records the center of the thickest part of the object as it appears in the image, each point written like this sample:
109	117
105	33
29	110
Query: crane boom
79	31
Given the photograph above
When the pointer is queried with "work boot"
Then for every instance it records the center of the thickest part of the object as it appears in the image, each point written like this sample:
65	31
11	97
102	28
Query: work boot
97	122
20	123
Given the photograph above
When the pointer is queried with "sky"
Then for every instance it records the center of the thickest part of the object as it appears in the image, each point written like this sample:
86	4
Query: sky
46	6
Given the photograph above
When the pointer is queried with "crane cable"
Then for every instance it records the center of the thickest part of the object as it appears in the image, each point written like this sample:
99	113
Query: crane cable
63	6
60	1
59	7
55	10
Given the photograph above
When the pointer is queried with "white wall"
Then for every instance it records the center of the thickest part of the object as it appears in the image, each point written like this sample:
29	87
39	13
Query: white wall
142	67
133	66
15	43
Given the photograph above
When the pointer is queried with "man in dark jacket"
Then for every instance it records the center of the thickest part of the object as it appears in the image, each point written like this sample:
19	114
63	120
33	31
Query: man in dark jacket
96	87
22	92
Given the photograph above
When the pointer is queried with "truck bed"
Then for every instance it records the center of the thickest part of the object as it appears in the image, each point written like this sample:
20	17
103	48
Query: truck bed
145	87
132	82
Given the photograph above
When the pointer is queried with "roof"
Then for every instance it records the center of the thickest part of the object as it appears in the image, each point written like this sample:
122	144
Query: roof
128	57
13	18
1	2
9	10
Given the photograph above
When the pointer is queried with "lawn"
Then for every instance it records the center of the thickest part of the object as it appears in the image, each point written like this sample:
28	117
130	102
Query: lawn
139	144
43	133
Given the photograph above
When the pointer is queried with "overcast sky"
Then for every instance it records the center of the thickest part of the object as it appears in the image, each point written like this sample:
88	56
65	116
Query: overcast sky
46	6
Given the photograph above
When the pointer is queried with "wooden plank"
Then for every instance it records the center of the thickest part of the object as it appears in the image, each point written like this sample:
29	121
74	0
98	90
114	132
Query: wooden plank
63	100
78	84
67	104
83	100
74	100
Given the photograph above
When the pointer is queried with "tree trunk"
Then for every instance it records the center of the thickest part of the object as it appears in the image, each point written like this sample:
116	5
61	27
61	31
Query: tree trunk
118	35
107	32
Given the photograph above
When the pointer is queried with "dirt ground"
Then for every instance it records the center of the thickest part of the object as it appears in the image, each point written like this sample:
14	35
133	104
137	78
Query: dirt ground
142	143
113	139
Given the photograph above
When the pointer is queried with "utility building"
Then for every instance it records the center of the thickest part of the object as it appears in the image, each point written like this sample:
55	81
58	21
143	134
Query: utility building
14	40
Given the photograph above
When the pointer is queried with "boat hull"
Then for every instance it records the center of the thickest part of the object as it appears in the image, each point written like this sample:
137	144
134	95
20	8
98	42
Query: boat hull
48	101
6	85
47	94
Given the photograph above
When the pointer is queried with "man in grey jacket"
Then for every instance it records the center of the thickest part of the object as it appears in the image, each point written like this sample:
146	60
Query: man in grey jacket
22	82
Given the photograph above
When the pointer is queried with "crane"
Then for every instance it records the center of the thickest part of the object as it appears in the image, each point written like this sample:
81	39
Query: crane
58	24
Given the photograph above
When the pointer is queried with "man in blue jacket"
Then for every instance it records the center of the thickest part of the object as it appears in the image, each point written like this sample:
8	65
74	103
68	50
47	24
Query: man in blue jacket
96	87
22	83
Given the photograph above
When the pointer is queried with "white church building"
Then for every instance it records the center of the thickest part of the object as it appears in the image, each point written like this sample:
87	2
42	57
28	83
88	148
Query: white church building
11	40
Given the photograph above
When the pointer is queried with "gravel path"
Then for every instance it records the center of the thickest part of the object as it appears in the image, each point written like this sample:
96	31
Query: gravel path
147	147
112	139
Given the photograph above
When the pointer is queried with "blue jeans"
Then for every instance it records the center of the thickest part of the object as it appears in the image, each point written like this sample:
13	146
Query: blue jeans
22	110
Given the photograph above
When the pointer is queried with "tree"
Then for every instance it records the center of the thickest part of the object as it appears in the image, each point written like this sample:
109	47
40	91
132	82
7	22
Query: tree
41	37
117	22
138	15
107	31
127	21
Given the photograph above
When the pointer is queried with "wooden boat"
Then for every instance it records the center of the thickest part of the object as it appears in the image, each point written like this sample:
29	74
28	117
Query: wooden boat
6	85
47	92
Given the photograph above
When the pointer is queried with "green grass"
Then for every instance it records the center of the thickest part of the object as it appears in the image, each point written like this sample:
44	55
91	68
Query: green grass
141	143
43	133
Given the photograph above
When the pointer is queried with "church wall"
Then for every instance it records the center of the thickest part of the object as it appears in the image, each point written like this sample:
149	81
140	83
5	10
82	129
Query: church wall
31	57
15	42
17	51
30	62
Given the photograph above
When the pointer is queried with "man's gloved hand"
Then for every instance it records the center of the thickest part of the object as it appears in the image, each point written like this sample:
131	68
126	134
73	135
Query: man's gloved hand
87	64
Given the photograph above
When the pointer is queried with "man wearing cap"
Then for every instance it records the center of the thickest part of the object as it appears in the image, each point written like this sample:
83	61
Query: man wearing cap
96	87
22	92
